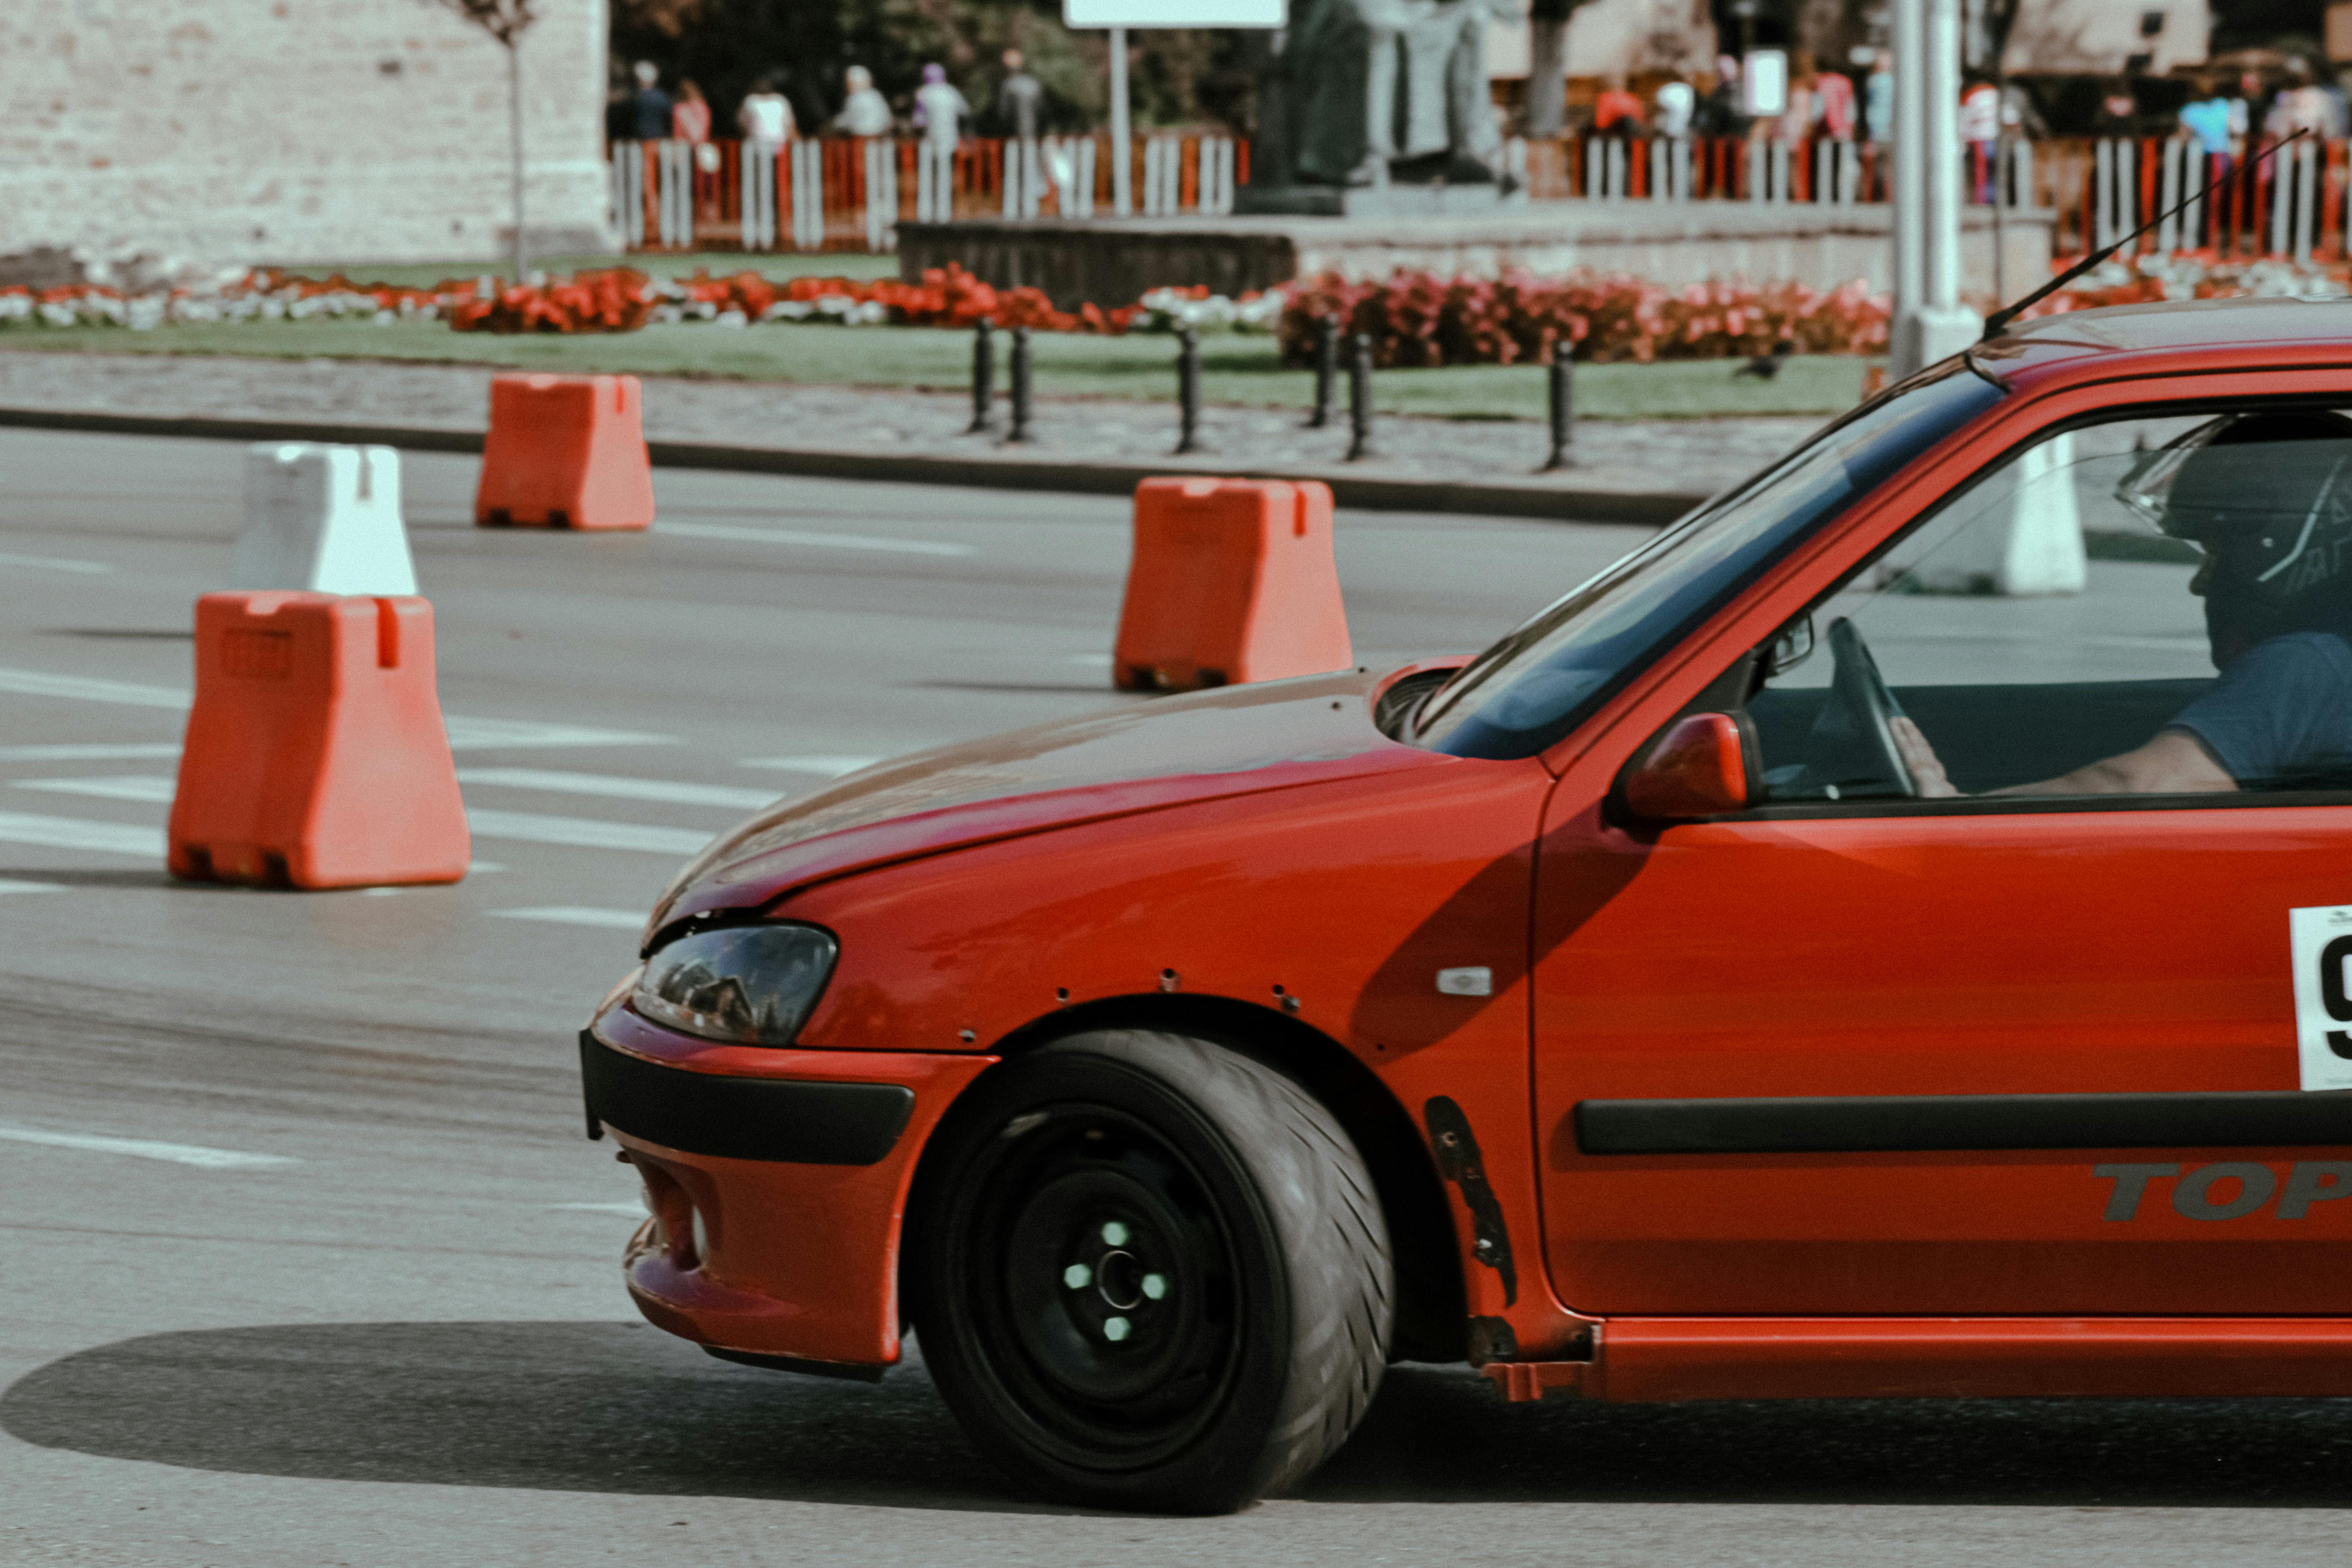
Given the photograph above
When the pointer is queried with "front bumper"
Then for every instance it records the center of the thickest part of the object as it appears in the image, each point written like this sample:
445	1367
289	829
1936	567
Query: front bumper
778	1181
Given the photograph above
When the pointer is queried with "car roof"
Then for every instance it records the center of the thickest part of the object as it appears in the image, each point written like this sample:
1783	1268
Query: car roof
2168	338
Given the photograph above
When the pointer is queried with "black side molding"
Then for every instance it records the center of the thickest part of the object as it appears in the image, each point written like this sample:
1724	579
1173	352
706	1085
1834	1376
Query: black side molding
856	1372
1932	1122
787	1119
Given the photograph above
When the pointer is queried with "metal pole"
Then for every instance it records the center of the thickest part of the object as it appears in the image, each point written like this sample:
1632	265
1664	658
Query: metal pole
1020	385
1929	322
514	112
1562	372
1941	79
1187	391
1360	397
1122	168
1910	159
983	376
1327	371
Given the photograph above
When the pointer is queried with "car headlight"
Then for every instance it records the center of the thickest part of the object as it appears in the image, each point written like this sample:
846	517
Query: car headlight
748	985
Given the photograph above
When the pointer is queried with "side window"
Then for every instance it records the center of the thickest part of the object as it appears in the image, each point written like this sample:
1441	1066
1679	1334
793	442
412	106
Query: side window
2146	606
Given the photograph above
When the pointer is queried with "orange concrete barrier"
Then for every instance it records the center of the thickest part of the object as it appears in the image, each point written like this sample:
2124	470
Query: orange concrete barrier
1233	581
315	754
566	451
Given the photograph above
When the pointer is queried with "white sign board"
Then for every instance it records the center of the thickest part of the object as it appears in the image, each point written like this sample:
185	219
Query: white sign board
1173	13
1764	83
2321	943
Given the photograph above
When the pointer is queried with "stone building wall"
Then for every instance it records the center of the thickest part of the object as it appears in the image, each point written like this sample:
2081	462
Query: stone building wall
226	131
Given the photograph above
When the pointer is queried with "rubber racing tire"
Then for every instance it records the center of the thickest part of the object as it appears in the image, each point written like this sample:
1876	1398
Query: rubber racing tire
1149	1273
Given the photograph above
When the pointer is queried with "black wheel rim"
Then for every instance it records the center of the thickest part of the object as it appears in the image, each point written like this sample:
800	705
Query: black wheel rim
1100	1286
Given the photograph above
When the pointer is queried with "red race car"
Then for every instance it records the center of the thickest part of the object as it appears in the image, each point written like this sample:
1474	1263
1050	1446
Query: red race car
1885	936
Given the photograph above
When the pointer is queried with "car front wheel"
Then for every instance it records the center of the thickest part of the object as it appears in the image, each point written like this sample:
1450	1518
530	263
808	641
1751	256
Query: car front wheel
1148	1272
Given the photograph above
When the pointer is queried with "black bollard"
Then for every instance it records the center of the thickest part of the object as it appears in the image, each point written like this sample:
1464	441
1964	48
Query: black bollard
983	376
1563	409
1187	391
1327	371
1360	397
1020	389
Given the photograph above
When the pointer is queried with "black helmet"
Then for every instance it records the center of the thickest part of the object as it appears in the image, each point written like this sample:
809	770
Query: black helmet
2268	498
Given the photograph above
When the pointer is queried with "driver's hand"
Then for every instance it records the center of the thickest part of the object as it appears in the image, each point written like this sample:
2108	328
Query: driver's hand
1926	768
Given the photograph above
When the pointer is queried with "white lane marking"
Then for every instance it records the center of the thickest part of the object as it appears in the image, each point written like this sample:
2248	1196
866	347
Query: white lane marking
1102	659
118	786
9	885
83	688
634	1210
821	541
619	787
575	915
477	735
78	833
57	563
579	831
463	733
831	767
94	752
585	833
141	1148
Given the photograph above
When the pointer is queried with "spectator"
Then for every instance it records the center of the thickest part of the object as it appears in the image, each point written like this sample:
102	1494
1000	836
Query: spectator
1676	104
652	103
1878	100
1019	98
1834	105
864	112
2119	112
1981	130
1719	114
1795	121
939	109
766	116
2301	106
690	117
1617	112
2206	115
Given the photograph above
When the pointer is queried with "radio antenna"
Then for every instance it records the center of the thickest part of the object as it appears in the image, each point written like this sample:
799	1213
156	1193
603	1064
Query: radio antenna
1998	322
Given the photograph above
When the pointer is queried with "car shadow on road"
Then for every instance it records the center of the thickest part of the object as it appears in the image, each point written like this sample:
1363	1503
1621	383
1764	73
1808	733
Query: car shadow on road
623	1408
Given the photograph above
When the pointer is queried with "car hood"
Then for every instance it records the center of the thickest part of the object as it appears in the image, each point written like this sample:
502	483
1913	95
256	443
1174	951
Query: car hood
1236	740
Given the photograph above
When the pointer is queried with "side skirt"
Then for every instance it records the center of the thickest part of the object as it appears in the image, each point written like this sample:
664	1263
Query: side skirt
1637	1358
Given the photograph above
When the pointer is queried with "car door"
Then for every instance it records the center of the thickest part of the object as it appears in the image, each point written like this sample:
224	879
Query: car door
1846	1052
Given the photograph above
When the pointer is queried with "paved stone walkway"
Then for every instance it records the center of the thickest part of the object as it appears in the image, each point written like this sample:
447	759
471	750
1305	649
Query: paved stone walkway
1694	456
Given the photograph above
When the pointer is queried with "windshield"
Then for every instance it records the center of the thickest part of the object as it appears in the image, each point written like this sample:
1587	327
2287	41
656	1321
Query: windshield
1539	682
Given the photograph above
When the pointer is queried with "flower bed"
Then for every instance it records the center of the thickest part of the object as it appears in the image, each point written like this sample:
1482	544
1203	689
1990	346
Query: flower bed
1414	319
263	294
1420	318
621	300
2194	275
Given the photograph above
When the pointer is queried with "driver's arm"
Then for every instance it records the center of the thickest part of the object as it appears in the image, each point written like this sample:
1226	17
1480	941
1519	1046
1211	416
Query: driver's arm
2173	762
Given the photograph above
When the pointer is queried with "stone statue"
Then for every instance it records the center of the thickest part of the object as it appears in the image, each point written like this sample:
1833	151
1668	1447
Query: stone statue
1375	91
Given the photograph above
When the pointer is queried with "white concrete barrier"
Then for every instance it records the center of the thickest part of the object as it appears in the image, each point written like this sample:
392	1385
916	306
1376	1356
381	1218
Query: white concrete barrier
325	519
2020	537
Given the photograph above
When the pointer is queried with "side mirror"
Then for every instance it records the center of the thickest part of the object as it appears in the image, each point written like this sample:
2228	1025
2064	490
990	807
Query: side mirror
1698	768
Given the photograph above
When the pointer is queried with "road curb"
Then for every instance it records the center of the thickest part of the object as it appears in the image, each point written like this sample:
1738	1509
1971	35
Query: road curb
1543	502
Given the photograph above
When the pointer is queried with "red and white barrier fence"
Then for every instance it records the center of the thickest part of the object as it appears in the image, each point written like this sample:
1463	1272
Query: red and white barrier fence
851	193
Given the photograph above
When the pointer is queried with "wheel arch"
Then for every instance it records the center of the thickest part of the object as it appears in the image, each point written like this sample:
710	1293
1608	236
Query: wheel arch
1432	1300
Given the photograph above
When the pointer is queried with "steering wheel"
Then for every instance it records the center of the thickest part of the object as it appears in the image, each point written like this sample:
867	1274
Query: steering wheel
1856	686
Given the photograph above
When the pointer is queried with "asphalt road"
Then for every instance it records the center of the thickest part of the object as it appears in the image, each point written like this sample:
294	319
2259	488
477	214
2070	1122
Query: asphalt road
305	1262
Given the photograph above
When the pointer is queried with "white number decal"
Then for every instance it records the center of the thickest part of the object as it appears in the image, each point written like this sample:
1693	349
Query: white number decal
2321	941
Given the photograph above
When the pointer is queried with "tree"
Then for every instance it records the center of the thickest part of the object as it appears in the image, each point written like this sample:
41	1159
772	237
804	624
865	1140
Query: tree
506	20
